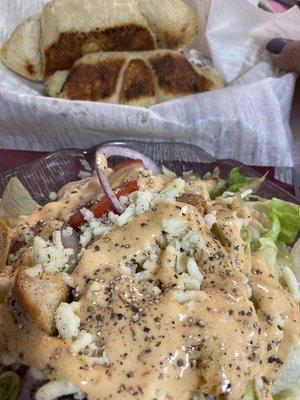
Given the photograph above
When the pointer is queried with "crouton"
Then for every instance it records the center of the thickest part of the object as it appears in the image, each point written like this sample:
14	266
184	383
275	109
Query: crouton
194	200
40	296
4	244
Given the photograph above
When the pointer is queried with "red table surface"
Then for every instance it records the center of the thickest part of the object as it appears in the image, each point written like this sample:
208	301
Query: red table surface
13	158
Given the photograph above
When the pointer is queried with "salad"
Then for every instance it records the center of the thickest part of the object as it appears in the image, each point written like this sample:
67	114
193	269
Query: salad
135	283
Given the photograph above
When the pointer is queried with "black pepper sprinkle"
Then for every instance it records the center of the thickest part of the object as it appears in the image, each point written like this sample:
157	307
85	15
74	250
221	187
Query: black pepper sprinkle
180	362
272	360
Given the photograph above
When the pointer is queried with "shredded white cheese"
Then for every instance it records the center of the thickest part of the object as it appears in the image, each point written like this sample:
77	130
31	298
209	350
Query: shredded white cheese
67	322
173	226
84	340
53	196
68	279
51	255
33	272
210	220
55	389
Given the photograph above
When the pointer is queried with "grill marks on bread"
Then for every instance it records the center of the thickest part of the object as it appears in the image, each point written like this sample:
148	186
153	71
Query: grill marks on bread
142	79
73	45
138	83
176	75
93	81
65	30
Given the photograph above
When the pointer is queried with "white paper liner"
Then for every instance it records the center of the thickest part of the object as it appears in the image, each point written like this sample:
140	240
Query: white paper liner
247	121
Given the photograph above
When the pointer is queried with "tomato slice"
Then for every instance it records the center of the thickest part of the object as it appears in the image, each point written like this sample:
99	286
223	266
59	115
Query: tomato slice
104	205
126	163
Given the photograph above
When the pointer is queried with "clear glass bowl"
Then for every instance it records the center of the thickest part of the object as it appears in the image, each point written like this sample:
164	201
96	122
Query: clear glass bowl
52	171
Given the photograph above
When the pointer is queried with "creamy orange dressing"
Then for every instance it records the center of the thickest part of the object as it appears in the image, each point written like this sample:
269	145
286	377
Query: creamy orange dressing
215	344
76	195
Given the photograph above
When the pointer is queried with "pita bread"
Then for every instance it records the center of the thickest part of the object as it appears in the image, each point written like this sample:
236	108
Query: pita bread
173	23
131	78
68	29
72	28
21	52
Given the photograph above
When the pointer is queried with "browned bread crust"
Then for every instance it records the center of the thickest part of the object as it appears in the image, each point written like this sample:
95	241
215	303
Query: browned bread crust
138	83
5	240
73	45
21	52
93	81
194	200
66	30
40	296
141	79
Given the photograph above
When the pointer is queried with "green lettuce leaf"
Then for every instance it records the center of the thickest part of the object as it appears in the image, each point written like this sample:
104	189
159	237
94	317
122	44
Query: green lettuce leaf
267	252
274	232
16	200
236	179
218	190
250	393
9	385
288	216
236	182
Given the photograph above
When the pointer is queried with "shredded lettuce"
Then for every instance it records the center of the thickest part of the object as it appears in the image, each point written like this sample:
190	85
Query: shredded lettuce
274	232
287	383
218	190
267	253
16	200
235	183
288	216
9	384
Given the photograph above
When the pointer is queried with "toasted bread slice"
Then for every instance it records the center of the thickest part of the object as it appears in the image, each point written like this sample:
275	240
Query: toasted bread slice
194	200
68	29
141	79
174	23
55	82
21	52
176	76
5	240
40	296
72	28
95	78
138	86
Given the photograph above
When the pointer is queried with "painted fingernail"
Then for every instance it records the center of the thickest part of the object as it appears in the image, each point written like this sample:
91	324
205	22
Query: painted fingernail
276	45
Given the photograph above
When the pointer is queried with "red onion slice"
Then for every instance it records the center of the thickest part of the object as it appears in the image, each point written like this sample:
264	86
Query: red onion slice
70	240
121	151
116	204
